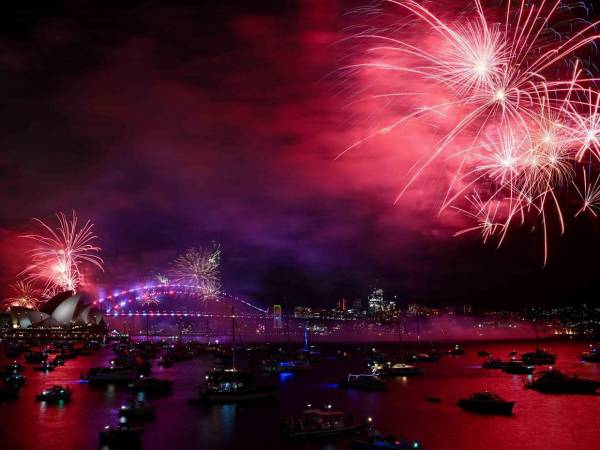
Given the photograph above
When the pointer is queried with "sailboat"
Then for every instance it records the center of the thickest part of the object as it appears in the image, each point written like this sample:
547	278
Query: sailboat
232	385
539	356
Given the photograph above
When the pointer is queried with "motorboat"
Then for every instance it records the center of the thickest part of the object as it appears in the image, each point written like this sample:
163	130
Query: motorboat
366	382
484	353
457	350
232	386
44	367
592	356
136	409
396	370
150	384
486	403
14	367
374	441
425	357
55	394
292	365
36	357
518	368
556	382
109	375
14	379
322	422
493	363
165	361
538	357
121	436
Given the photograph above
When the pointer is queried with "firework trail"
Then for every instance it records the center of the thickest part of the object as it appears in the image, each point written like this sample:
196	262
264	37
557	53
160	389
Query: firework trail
199	267
59	252
510	91
24	295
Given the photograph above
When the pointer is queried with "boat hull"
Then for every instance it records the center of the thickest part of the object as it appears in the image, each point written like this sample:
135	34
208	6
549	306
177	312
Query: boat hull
319	434
215	398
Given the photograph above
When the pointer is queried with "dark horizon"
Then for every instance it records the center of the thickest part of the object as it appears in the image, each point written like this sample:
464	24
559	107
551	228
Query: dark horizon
176	126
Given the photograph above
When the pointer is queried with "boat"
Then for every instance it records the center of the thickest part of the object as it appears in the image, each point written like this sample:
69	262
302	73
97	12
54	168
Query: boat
396	370
484	353
55	394
518	368
109	375
493	363
120	436
9	392
14	367
44	367
36	357
232	386
457	350
556	382
136	409
165	361
366	382
14	379
58	361
592	356
375	441
538	357
425	357
293	365
486	403
322	422
512	354
148	384
433	399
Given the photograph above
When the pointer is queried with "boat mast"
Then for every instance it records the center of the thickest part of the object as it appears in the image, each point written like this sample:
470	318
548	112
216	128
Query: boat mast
233	338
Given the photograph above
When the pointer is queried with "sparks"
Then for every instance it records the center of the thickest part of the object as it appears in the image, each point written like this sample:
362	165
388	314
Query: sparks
60	252
520	97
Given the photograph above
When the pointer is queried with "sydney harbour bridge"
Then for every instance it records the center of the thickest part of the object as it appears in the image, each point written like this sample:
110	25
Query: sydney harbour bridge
178	309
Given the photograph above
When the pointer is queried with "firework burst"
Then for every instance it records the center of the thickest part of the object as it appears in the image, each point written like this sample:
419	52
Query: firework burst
199	267
59	252
511	86
23	295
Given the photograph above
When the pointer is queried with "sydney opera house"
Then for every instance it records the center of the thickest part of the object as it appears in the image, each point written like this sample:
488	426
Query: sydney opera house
64	315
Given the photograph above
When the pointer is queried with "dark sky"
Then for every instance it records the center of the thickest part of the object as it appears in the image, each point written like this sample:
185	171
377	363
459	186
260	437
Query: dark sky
175	124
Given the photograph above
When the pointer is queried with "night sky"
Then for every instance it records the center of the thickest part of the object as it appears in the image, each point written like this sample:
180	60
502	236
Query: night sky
177	125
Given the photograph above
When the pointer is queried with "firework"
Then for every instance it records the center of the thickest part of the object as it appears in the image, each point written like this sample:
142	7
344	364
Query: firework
59	252
162	279
24	295
511	86
590	196
199	267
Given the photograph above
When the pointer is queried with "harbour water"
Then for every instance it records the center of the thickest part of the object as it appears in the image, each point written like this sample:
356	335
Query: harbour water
540	421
